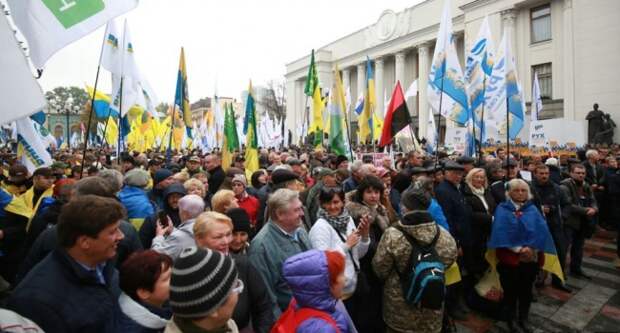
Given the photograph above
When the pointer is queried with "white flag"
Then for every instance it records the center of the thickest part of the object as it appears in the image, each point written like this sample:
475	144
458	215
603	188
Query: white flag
112	53
446	83
50	25
20	94
536	106
412	91
30	148
431	132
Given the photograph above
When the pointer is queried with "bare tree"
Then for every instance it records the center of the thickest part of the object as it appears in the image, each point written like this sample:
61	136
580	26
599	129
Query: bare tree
274	101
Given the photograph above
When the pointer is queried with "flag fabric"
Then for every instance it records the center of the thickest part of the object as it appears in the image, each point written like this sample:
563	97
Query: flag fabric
366	118
19	91
218	116
30	148
102	104
536	105
431	132
359	104
231	141
396	116
504	91
125	87
317	117
412	91
39	118
50	25
251	135
112	50
478	70
181	98
509	230
312	80
337	107
446	83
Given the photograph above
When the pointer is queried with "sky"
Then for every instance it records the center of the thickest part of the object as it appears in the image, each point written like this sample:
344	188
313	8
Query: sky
226	43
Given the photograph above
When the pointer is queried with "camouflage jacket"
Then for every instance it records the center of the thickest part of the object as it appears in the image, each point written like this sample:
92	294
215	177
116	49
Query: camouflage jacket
392	257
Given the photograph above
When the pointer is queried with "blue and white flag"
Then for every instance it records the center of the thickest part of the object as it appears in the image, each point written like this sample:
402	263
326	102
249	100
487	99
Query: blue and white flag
478	70
504	91
431	132
536	105
446	77
359	104
30	148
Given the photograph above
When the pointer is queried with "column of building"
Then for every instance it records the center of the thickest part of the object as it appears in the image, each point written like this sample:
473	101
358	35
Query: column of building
568	62
424	66
379	93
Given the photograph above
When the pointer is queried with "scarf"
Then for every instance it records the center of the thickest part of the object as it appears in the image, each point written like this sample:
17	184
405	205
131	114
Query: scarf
339	222
479	192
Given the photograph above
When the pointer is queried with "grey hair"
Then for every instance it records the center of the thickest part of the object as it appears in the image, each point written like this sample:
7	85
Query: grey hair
192	204
591	153
356	166
280	199
517	182
113	177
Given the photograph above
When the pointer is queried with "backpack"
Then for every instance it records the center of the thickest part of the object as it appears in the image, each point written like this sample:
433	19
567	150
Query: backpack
423	283
292	318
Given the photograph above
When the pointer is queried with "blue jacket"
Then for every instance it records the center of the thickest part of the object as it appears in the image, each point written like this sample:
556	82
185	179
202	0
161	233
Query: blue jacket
349	185
525	227
137	204
437	213
308	276
60	295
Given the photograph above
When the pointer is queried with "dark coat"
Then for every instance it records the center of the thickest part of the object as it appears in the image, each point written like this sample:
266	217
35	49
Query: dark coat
42	221
60	295
149	227
481	221
498	191
455	209
135	317
216	178
612	186
575	212
555	174
48	241
550	195
594	174
254	306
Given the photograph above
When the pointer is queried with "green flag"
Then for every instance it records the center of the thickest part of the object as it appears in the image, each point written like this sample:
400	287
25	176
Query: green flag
230	129
312	80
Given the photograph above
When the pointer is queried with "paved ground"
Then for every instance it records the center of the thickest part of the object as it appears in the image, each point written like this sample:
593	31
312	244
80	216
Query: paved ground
594	306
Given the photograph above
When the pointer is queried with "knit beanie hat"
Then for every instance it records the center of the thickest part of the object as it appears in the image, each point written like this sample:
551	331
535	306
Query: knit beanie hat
137	177
201	282
416	199
239	178
241	220
160	175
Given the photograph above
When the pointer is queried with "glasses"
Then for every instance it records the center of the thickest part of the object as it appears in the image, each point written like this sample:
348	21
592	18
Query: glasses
238	287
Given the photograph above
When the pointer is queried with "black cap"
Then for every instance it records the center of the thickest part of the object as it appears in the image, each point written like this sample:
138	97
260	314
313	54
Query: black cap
240	218
465	160
511	163
282	175
44	171
293	161
418	170
451	165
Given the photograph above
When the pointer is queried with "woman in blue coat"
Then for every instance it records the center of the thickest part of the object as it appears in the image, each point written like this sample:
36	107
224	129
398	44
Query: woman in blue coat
317	280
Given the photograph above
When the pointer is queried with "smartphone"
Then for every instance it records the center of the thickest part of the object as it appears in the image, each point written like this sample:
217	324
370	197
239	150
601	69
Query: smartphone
162	217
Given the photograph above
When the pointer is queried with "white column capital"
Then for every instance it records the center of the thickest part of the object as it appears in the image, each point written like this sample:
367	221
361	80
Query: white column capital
400	56
424	48
379	61
509	15
568	4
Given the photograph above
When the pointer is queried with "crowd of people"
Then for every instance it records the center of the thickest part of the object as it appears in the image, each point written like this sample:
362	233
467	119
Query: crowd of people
311	242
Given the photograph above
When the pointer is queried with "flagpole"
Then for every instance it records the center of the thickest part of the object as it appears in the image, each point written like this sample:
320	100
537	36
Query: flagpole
346	123
92	105
439	122
120	129
507	136
306	122
484	91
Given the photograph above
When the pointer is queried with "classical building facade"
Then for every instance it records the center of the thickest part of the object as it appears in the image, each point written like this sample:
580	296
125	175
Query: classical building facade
573	45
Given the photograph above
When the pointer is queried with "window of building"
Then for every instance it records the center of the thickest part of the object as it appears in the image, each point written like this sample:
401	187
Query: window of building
541	23
544	79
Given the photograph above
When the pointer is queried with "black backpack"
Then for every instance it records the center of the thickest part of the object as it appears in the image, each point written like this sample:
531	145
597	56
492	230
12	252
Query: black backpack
423	283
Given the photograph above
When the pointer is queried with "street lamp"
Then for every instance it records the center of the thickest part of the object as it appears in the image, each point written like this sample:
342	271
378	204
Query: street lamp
67	108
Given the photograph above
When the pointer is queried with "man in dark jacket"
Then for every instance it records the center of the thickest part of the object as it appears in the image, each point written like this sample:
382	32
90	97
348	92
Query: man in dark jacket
452	202
213	164
498	187
551	200
75	288
579	215
161	179
170	206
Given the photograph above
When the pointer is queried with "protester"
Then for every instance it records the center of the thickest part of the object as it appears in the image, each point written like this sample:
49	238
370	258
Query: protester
170	240
135	199
17	182
245	201
195	186
144	279
519	236
280	238
579	216
255	308
392	257
172	195
213	165
317	280
75	289
242	229
204	290
224	200
613	193
161	180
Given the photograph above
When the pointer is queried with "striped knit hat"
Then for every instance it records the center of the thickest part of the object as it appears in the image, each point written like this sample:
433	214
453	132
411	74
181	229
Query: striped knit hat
201	282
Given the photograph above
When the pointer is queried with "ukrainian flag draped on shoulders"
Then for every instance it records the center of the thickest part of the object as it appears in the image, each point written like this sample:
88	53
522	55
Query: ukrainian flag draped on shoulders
251	139
522	227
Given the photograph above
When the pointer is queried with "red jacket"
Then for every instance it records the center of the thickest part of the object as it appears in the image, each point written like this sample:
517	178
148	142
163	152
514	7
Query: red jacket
250	205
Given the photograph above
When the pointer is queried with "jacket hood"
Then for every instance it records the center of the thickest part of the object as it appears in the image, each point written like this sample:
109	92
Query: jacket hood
308	277
420	225
174	188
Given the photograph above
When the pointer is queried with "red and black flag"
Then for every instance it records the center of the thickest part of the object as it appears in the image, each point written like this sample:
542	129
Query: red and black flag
396	116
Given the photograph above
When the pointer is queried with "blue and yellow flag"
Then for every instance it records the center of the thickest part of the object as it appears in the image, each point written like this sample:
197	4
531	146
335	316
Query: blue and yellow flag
181	98
251	139
518	228
102	104
366	118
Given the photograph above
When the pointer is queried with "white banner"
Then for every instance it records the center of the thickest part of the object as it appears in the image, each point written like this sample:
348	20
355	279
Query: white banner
456	139
557	132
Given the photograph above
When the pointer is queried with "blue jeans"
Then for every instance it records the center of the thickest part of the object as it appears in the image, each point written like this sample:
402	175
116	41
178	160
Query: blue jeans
575	239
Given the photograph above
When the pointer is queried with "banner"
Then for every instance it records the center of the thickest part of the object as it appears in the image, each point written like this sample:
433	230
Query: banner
552	134
456	139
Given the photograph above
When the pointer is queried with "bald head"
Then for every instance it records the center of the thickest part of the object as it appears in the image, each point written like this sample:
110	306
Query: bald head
190	206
